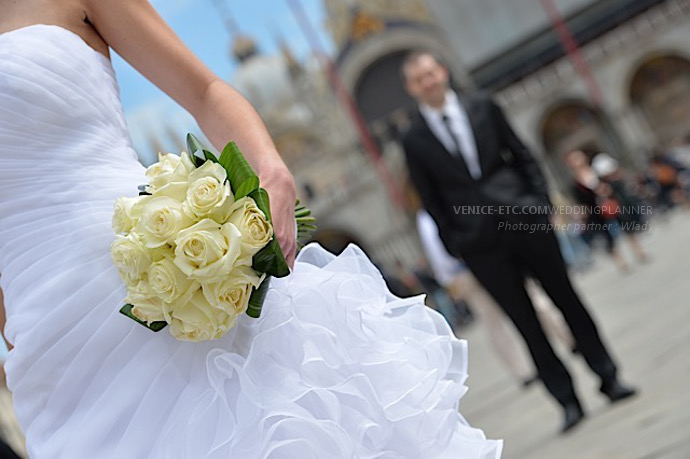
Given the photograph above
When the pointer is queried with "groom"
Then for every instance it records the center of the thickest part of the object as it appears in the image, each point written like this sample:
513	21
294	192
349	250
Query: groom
484	188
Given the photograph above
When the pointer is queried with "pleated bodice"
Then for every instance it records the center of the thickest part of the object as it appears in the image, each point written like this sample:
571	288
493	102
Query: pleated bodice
65	154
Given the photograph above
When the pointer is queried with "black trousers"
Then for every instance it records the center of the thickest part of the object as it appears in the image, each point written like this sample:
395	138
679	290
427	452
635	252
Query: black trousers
502	272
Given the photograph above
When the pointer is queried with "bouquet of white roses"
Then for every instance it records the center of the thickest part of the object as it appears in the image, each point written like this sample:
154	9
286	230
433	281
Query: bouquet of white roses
196	248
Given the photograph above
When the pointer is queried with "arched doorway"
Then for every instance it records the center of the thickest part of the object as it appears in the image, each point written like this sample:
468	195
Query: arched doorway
382	99
660	89
573	125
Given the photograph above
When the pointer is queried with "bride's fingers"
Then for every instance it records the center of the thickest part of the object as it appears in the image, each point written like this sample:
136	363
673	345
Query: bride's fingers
280	186
290	257
288	244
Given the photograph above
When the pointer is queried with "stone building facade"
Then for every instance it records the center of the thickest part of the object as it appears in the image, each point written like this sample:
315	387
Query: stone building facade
636	51
642	66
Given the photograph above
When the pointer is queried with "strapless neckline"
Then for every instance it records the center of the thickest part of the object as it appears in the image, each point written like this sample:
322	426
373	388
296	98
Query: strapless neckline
58	28
63	95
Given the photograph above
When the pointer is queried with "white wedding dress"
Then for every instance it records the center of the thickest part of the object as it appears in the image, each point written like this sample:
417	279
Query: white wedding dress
336	367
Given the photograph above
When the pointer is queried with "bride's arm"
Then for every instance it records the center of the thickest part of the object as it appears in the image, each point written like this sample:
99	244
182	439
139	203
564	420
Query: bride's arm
137	33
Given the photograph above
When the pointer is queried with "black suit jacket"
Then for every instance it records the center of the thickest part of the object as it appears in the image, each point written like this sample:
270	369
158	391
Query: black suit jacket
510	177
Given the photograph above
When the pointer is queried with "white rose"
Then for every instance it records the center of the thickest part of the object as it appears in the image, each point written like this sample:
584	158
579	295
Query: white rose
130	257
209	169
231	293
147	307
160	253
123	216
255	229
197	320
160	172
207	249
170	176
209	194
168	283
161	219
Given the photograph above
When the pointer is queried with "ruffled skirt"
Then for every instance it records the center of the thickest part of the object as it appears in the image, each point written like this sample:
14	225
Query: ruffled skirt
336	367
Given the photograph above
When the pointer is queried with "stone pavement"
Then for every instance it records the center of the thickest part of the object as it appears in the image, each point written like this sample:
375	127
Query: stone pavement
645	317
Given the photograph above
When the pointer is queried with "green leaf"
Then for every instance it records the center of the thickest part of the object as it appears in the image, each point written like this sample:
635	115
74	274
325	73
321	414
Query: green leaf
305	221
256	300
305	232
196	149
198	160
270	260
153	326
246	187
302	212
210	156
242	178
193	144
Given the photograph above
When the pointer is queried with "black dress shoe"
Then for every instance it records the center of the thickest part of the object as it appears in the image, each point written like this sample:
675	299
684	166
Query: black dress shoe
616	391
573	416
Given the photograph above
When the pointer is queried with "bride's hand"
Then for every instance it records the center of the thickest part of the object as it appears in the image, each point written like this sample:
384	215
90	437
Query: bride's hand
280	185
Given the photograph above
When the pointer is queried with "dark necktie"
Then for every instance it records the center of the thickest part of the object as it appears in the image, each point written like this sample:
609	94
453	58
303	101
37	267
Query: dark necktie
456	142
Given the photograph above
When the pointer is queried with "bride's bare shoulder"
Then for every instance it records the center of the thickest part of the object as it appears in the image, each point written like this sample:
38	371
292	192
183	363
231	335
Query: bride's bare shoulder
23	13
68	14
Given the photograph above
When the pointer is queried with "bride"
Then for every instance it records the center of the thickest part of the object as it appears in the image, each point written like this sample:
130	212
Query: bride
335	367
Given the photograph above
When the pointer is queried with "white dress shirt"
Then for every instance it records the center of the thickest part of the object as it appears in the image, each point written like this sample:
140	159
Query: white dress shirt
443	265
461	127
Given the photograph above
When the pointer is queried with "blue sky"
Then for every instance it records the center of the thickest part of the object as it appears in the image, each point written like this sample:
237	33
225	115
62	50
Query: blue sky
199	25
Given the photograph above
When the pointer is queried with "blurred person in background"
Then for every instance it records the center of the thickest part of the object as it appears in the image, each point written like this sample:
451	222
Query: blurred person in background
435	271
406	282
452	273
630	218
600	209
4	345
455	310
664	173
461	151
680	153
577	254
6	452
396	285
